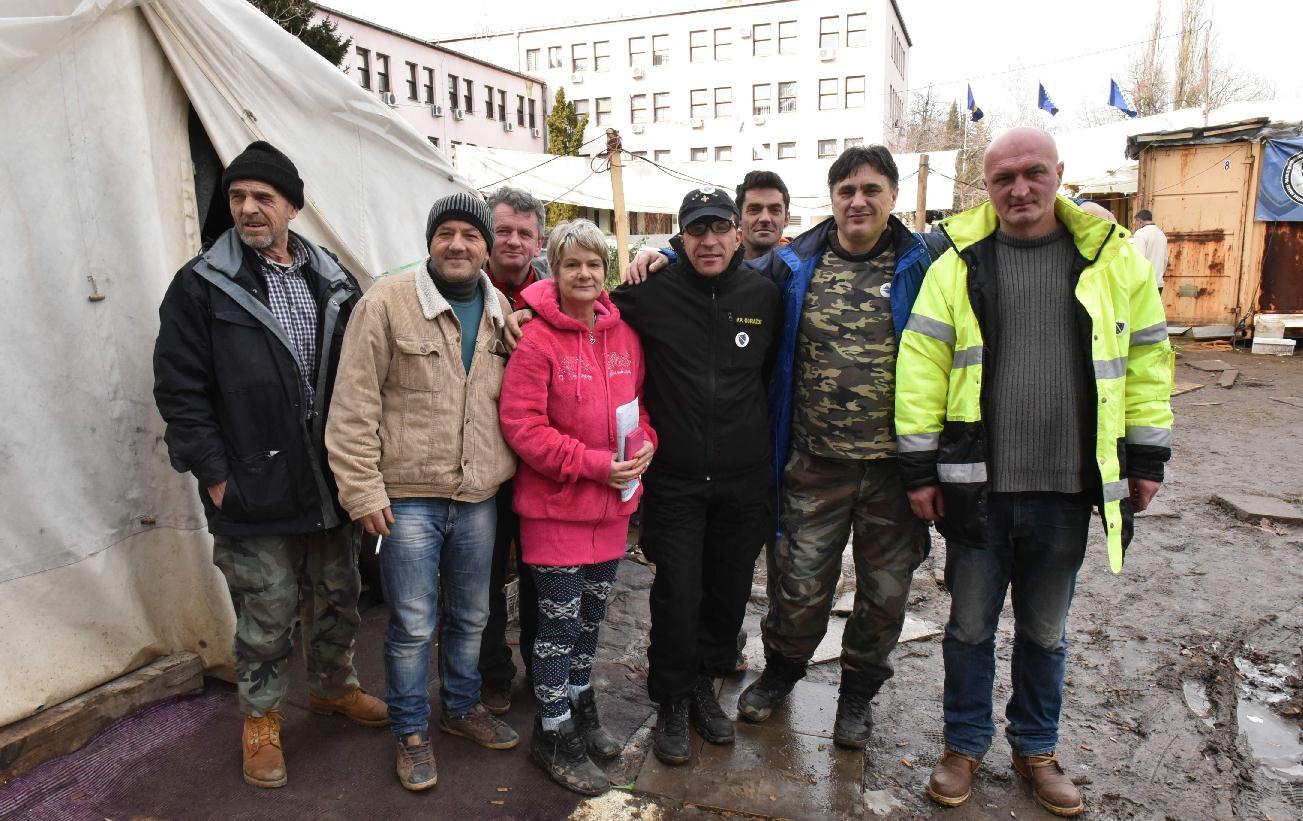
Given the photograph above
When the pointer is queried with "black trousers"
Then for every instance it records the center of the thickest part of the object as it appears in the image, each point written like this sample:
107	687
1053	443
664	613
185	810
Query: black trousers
496	667
704	537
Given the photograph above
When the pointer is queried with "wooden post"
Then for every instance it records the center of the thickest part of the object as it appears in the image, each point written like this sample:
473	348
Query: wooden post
613	147
920	204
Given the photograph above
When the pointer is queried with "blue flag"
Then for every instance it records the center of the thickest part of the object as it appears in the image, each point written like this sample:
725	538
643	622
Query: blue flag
1117	100
1044	102
1280	190
974	112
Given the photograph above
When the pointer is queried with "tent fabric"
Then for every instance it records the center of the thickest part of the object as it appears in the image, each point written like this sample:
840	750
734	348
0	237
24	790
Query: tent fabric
105	563
650	189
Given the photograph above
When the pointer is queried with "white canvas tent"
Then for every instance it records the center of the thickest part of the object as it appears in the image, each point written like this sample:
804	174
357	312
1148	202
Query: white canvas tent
104	560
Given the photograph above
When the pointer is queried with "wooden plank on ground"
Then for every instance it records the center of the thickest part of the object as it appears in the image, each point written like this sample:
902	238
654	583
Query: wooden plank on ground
66	727
1185	387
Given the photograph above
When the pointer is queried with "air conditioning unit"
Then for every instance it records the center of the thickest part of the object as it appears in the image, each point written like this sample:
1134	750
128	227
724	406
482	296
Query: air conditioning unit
436	110
744	32
826	54
390	99
759	119
639	128
696	122
638	72
458	114
507	125
576	78
535	133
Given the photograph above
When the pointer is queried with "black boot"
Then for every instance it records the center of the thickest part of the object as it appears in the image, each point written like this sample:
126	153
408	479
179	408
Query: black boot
670	741
707	717
854	720
599	742
561	754
765	693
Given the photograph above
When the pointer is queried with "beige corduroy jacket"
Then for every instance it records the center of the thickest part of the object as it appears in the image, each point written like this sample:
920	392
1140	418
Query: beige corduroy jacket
407	420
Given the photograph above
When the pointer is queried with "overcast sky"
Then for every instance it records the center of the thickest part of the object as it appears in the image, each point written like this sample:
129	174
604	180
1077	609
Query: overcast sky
957	42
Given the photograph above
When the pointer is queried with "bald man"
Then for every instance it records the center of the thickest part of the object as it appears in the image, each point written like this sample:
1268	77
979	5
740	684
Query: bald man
1032	386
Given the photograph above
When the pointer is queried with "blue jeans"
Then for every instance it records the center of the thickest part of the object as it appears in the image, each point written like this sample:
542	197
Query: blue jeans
1036	543
435	543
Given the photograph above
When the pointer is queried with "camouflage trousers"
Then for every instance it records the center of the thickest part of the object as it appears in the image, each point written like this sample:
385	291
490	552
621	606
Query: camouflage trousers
824	500
278	583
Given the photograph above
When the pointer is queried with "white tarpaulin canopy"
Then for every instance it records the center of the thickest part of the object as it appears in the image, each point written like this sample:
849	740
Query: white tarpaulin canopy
104	560
660	190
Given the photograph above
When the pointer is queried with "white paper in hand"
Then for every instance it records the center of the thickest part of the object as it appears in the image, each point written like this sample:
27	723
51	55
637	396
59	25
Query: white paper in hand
626	422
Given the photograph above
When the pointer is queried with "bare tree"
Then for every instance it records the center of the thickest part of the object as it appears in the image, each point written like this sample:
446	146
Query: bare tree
1188	80
1147	80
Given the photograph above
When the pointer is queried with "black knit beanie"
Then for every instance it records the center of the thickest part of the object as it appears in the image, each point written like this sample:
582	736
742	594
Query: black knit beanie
264	162
462	206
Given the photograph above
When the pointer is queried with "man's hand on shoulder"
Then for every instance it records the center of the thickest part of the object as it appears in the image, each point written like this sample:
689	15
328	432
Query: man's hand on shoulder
646	262
514	327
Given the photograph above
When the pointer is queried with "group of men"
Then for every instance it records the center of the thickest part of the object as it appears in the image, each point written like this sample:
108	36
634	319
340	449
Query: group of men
999	378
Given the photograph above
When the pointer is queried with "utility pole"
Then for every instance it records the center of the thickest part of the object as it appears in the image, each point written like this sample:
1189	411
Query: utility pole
920	203
613	150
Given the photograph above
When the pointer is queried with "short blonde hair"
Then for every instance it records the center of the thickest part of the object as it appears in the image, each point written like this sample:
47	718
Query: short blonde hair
578	233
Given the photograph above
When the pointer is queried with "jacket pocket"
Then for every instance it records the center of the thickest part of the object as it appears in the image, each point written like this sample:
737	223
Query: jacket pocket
418	364
258	488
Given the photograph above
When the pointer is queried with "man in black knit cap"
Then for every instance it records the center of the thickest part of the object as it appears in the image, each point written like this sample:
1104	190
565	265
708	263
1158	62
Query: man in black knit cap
243	367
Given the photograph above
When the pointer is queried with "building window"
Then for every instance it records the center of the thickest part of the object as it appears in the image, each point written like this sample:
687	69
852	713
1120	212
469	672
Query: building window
364	67
762	39
787	151
554	57
827	148
579	57
855	92
699	103
488	102
531	59
786	97
603	110
532	122
661	107
853	142
642	155
828	94
411	82
723	44
697	155
697	46
855	26
787	37
638	108
829	31
724	101
433	141
760	152
723	153
898	53
602	55
662	155
581	108
520	110
429	85
760	98
468	92
382	73
637	51
502	106
453	88
660	49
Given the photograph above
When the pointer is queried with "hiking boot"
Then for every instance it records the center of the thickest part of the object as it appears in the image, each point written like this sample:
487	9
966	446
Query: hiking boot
758	701
1051	787
482	727
414	763
357	705
707	717
264	763
598	742
496	700
854	721
670	740
951	782
561	754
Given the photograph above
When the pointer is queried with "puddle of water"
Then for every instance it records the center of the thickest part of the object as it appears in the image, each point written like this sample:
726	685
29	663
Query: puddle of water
1196	698
1273	741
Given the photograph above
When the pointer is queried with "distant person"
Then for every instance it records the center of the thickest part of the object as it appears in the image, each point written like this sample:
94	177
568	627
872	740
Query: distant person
244	365
573	369
1150	240
1009	447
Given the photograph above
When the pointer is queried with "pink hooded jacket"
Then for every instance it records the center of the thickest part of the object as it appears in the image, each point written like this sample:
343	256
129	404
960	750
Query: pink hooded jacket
559	395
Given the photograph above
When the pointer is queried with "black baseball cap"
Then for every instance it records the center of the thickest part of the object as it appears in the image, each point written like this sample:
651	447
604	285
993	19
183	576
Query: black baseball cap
706	202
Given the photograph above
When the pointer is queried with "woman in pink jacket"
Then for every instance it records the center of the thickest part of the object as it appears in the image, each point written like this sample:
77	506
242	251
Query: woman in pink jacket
574	494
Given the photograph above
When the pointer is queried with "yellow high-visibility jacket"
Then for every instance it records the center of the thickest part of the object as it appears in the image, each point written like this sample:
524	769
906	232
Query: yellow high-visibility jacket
940	396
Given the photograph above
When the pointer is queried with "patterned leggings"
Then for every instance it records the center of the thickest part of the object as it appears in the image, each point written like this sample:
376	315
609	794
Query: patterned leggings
571	606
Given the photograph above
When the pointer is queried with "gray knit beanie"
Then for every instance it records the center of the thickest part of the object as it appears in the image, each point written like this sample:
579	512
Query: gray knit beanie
468	207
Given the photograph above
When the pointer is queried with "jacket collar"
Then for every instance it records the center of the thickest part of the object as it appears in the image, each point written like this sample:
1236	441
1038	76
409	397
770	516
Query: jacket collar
818	239
542	297
1097	240
433	303
226	256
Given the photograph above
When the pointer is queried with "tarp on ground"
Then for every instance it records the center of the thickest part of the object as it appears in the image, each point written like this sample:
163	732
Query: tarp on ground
104	560
659	188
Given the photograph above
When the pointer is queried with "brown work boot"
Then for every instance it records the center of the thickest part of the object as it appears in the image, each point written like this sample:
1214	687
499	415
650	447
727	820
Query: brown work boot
482	727
357	705
1051	787
496	700
951	781
264	764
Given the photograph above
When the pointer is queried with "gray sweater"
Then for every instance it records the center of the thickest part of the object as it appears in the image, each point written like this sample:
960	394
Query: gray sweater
1038	383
